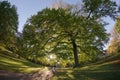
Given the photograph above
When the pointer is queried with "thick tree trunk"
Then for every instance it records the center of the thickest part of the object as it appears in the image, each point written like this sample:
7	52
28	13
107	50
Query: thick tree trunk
75	53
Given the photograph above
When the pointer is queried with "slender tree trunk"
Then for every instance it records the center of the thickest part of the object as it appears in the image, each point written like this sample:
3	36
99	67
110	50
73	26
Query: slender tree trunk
75	53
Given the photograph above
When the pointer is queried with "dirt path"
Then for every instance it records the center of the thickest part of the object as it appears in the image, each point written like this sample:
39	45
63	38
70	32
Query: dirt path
44	74
5	75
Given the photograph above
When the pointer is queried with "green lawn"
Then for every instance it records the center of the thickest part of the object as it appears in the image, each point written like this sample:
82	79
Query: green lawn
108	69
88	75
10	63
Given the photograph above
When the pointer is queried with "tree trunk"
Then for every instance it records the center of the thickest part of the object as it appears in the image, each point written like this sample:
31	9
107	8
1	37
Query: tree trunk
75	53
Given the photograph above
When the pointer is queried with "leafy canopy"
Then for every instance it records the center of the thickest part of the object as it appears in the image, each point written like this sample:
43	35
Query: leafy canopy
53	31
67	32
8	22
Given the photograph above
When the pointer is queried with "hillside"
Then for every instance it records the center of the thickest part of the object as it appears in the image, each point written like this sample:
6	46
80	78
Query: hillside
111	61
109	58
106	69
10	62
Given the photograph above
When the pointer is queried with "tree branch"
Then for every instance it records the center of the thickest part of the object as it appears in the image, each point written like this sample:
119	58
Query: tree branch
60	34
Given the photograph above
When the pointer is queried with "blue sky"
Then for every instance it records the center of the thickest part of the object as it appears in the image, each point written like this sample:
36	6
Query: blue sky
26	8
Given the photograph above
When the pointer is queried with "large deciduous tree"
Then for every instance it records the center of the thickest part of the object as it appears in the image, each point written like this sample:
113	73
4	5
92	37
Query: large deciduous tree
65	31
8	23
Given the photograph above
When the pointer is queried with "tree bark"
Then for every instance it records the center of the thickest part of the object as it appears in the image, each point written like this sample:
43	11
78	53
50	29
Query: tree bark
76	61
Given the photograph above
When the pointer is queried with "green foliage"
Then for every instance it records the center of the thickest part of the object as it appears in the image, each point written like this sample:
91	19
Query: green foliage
101	8
54	31
65	32
8	23
117	26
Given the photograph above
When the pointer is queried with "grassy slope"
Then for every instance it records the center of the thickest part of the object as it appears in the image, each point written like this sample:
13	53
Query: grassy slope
10	62
107	69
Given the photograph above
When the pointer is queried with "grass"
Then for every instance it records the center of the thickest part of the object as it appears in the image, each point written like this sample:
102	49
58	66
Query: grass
107	69
87	75
10	63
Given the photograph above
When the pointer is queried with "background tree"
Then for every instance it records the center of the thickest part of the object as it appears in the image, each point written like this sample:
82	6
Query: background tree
114	46
8	23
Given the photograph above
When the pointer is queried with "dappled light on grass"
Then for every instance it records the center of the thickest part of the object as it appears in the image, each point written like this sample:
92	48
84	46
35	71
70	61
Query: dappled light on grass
87	75
64	74
108	70
106	66
17	65
102	71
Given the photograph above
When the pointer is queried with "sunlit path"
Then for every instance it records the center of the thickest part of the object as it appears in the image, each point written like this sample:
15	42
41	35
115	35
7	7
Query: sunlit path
44	74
